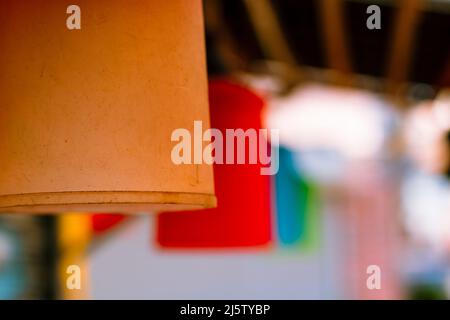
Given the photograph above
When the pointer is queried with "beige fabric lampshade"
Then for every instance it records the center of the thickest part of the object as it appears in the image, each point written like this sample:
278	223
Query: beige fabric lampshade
86	116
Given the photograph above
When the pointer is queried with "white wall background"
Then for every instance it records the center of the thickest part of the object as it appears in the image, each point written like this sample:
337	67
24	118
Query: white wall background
129	265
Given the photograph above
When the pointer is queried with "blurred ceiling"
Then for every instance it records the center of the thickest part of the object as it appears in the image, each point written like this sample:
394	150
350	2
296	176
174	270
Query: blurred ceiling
412	45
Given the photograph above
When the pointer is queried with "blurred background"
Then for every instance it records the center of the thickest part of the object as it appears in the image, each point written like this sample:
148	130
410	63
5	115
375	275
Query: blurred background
363	181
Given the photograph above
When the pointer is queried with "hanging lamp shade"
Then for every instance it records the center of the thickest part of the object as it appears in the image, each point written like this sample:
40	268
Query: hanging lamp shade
243	214
86	115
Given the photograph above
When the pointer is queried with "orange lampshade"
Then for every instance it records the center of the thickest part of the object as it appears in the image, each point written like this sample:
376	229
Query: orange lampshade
86	115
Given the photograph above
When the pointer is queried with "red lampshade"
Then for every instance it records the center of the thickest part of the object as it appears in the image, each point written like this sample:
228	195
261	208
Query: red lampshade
242	217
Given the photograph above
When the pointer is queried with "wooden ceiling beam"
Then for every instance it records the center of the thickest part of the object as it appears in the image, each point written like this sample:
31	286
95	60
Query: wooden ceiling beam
402	43
334	35
269	31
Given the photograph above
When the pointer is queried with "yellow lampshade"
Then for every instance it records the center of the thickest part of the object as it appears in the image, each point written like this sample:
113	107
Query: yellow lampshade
86	115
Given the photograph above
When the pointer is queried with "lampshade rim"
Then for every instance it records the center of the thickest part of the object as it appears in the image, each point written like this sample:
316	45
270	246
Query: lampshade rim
104	200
